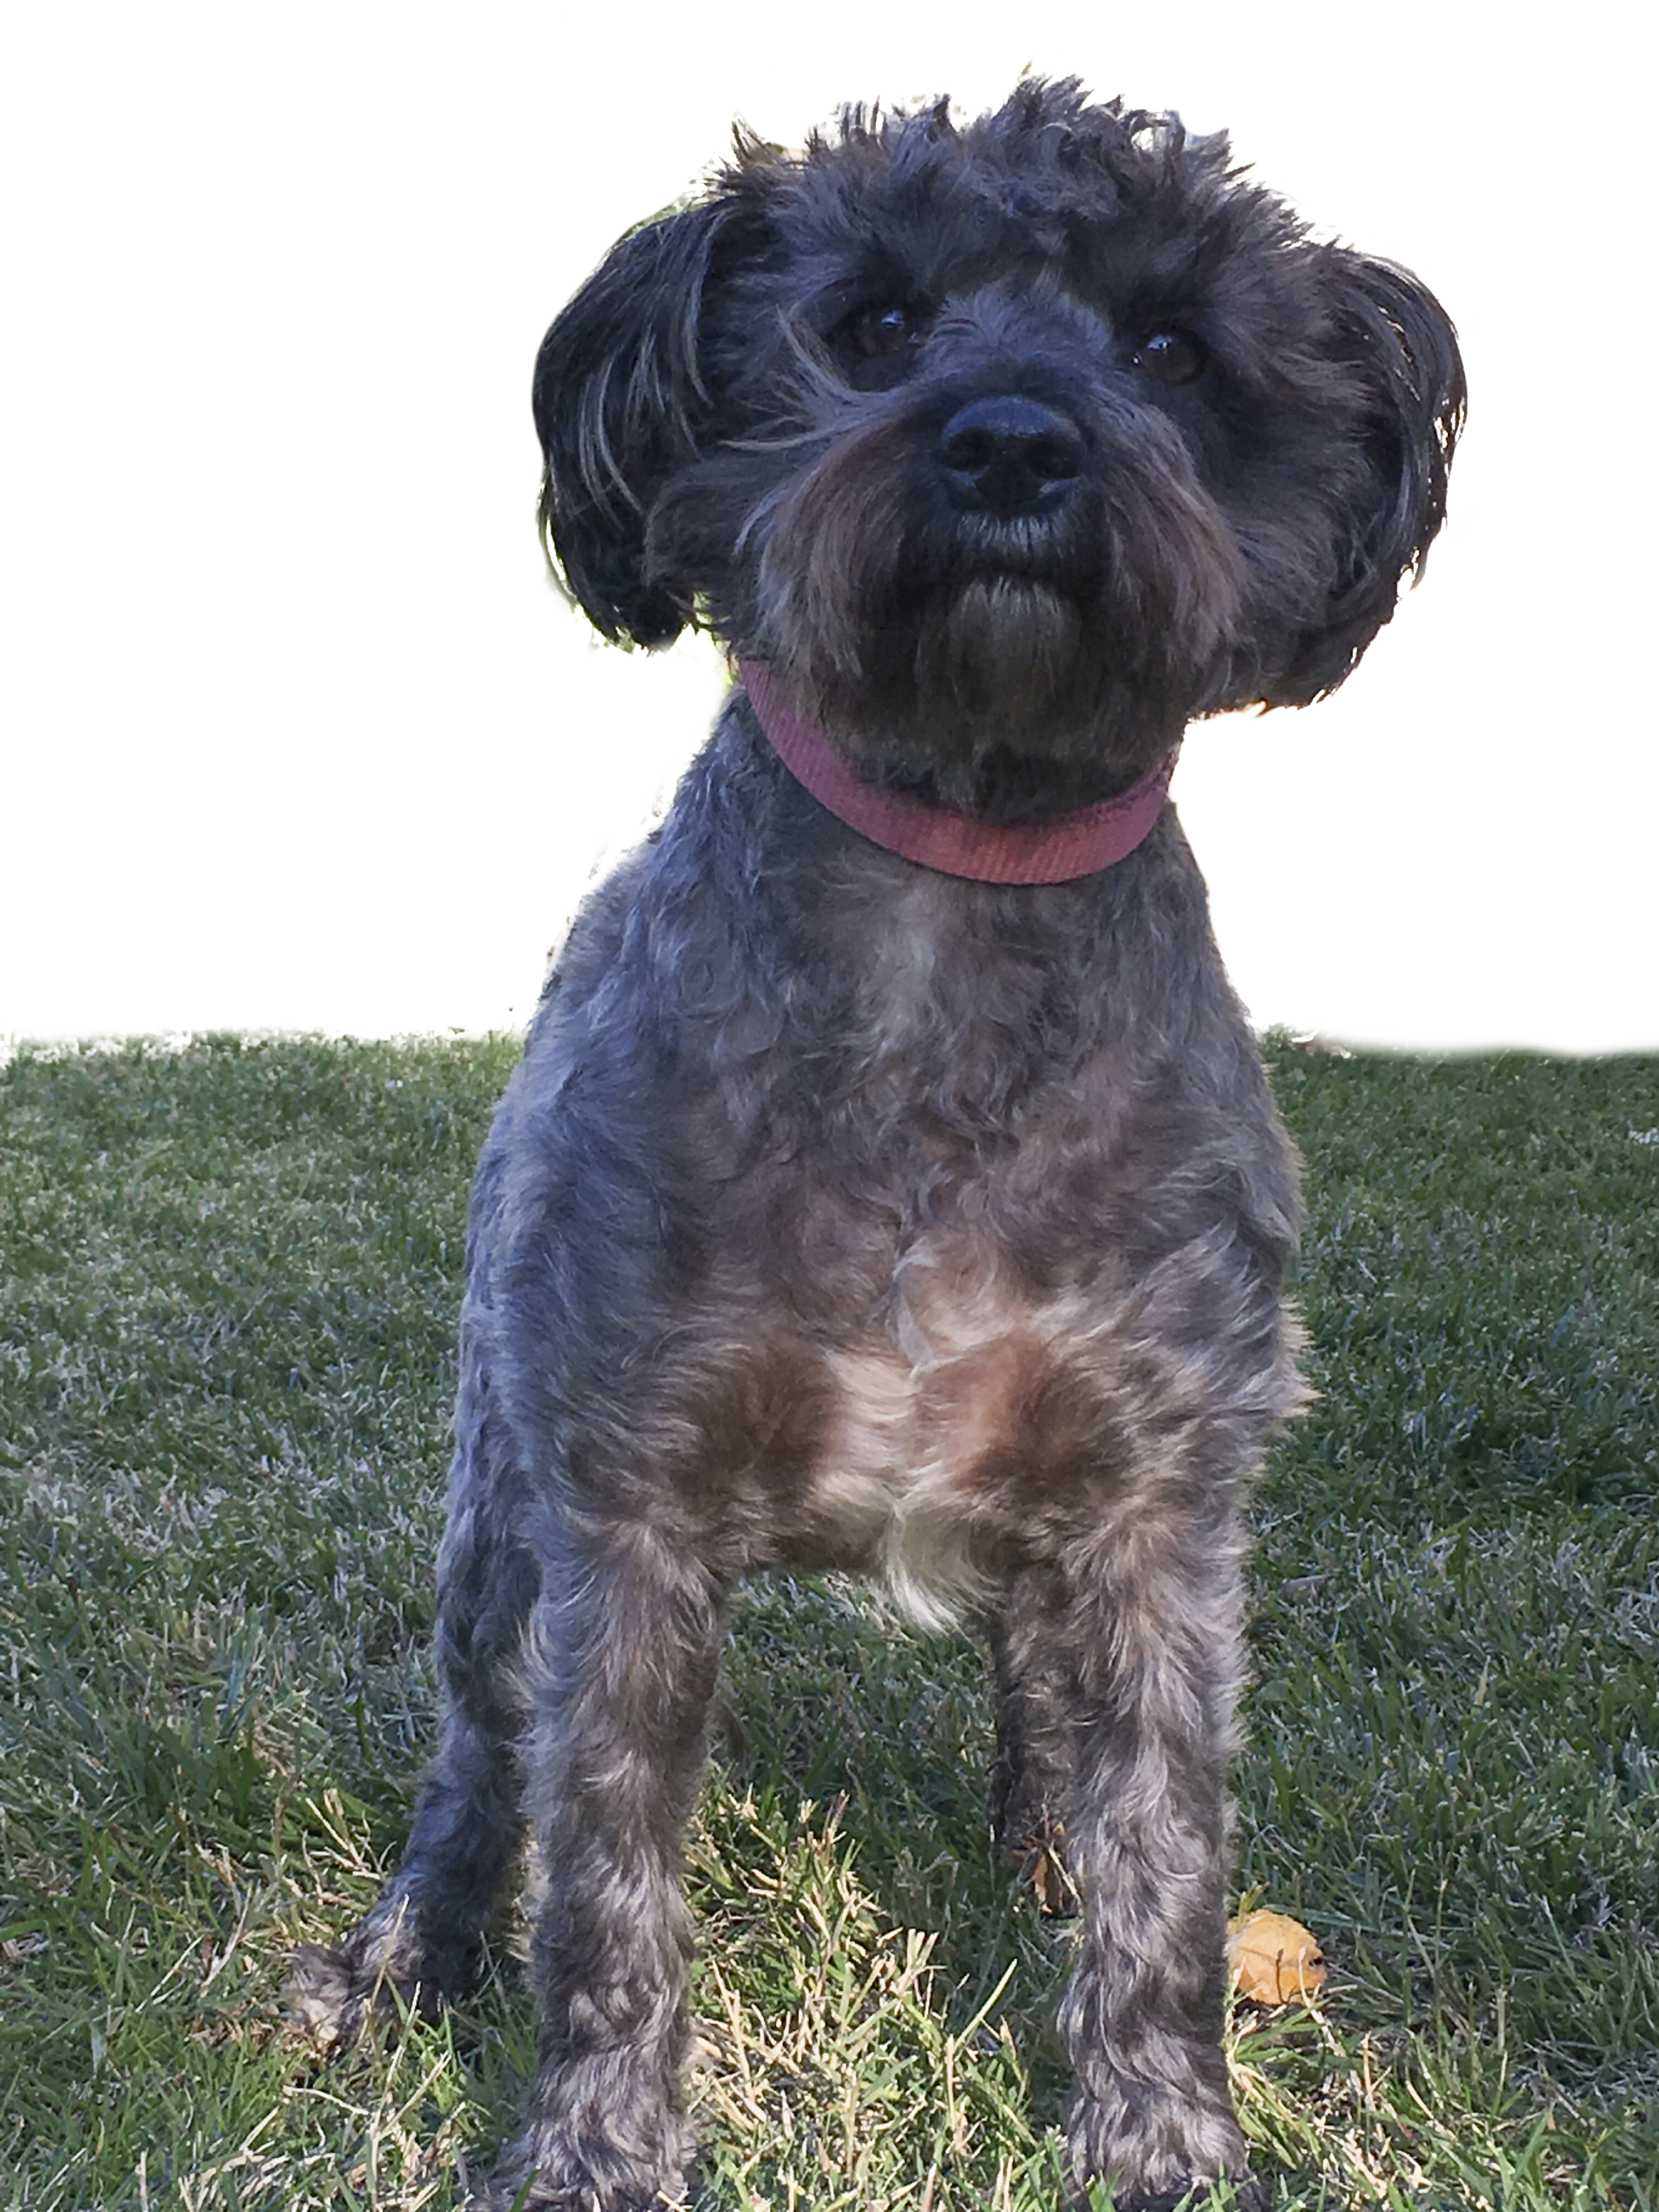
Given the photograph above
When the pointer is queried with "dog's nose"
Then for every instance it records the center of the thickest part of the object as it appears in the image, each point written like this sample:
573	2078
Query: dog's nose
1009	453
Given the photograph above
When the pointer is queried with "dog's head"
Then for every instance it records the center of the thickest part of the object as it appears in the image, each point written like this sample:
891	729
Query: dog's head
1012	448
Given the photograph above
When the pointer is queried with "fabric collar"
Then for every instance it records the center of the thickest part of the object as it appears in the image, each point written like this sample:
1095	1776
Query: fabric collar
944	838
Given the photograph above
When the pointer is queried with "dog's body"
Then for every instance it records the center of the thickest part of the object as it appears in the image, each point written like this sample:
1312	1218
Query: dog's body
848	1211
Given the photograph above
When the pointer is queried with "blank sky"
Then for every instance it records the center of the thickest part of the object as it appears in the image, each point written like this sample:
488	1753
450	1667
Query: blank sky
296	733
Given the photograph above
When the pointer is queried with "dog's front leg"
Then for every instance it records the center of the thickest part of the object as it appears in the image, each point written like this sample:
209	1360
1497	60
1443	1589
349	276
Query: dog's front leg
1142	1627
618	1673
421	1942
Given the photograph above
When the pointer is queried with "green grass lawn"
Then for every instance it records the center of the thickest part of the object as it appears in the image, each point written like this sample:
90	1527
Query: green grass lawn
228	1279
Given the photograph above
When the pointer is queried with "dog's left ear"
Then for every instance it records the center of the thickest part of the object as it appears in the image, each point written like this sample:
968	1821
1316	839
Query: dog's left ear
1399	342
619	402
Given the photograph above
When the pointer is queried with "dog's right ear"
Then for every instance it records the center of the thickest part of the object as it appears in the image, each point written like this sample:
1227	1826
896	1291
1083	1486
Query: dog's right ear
620	403
1398	342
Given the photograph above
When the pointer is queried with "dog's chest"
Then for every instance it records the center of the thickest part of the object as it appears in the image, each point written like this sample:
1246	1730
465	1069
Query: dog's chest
970	1214
951	1363
931	1415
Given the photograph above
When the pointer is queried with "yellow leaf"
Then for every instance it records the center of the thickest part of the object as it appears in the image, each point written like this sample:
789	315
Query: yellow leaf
1276	1960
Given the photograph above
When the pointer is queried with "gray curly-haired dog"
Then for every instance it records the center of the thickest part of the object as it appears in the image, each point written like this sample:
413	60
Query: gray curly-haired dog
891	1179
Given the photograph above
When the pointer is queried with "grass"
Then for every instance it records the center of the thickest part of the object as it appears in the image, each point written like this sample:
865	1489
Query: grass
230	1272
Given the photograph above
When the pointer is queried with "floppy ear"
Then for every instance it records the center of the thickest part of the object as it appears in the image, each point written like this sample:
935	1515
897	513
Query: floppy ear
619	402
1400	340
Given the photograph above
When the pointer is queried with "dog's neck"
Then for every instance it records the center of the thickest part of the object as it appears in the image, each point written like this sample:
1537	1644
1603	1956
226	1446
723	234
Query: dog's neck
944	838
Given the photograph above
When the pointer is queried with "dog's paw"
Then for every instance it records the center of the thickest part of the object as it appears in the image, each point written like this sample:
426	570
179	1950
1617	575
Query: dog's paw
505	2192
511	2189
334	1992
1188	2156
550	2168
324	1993
508	2191
1244	2195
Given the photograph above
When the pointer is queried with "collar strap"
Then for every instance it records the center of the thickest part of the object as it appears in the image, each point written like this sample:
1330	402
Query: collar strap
944	838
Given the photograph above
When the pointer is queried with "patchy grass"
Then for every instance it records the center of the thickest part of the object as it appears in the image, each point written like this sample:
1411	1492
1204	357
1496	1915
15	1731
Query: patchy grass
230	1273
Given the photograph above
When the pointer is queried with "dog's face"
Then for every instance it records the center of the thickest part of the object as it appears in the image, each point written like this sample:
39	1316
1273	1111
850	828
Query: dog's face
1012	448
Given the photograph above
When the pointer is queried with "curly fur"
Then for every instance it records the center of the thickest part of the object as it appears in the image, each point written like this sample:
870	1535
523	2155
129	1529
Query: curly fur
842	1212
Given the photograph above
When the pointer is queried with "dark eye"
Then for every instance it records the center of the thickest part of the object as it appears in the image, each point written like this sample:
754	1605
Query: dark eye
878	332
1171	357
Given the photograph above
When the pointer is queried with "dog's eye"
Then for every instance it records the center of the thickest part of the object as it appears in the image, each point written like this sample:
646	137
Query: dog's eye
1171	357
876	332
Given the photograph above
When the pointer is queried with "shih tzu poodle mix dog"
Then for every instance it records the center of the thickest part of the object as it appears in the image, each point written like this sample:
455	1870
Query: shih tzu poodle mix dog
890	1180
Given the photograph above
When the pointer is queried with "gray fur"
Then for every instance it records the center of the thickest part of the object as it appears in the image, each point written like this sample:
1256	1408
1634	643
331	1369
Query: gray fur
844	1212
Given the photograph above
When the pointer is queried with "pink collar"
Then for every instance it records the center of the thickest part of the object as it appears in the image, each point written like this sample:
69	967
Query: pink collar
943	838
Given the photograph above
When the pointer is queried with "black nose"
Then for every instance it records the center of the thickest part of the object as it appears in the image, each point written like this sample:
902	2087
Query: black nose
1009	453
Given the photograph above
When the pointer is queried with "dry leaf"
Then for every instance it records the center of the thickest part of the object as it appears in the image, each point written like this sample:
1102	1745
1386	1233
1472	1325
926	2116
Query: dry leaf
1056	1893
1276	1960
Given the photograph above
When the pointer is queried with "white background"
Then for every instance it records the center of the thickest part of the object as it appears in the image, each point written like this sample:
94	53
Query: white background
295	732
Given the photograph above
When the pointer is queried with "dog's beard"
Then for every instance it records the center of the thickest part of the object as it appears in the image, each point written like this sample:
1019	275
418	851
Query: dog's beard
1002	655
1018	667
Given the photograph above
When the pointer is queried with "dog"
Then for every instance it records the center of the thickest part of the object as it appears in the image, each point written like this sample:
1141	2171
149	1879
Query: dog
891	1180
